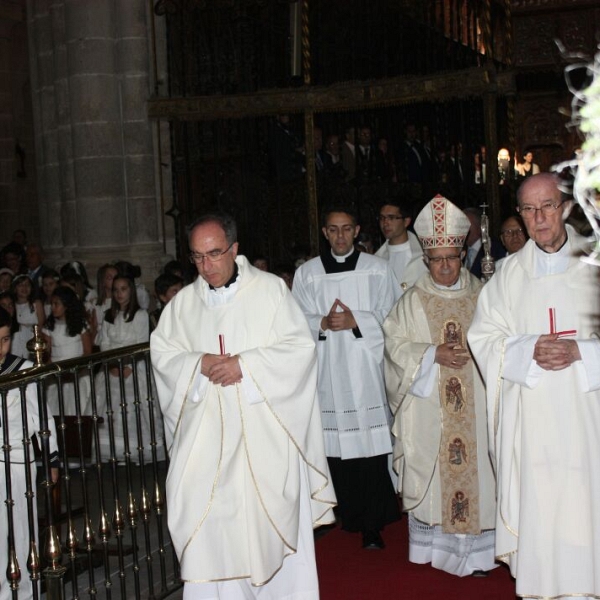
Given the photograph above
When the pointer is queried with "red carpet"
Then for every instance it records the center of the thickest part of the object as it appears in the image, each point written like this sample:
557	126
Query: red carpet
347	572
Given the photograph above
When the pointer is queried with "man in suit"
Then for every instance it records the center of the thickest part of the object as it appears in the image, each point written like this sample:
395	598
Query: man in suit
34	257
333	167
413	156
368	157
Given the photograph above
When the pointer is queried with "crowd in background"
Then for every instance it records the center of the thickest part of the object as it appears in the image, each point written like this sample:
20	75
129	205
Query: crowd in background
78	317
361	156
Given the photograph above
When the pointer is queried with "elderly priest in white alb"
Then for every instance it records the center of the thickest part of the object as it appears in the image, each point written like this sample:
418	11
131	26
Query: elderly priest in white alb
236	373
437	397
535	338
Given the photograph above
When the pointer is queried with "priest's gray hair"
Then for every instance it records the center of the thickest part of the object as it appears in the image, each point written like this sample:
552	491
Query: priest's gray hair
224	220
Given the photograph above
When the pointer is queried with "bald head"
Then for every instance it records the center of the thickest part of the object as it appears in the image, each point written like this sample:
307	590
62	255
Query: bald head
546	181
543	211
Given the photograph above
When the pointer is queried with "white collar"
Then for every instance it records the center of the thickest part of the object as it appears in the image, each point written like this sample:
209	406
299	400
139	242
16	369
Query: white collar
399	247
454	286
222	295
546	263
341	259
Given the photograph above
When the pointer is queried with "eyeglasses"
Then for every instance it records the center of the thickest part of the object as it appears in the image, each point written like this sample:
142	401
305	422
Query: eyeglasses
214	256
391	217
511	232
438	260
528	212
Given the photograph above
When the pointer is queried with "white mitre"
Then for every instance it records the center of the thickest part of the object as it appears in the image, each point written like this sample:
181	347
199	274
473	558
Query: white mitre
442	224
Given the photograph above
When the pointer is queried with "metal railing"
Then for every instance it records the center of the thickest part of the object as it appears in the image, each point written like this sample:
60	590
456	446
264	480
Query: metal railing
102	523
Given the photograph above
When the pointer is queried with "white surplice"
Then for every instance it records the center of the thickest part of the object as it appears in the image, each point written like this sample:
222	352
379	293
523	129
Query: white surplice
242	456
544	426
354	408
406	260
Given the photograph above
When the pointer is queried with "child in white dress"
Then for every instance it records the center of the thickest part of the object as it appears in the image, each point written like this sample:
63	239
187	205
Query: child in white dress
68	336
125	324
29	310
126	269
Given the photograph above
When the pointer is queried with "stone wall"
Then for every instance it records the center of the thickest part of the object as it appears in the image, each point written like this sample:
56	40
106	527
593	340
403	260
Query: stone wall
17	159
92	73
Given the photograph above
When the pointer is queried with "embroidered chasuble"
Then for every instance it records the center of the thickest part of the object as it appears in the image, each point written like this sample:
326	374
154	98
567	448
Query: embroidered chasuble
448	322
445	475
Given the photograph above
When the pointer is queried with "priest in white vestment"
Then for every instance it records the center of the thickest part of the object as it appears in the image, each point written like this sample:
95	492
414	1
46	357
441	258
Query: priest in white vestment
236	374
402	248
345	295
535	338
437	397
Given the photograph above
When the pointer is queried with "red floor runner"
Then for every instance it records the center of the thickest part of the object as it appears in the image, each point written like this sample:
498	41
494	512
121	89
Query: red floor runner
347	572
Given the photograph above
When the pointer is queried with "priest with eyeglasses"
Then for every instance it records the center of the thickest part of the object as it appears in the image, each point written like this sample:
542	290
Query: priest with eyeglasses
437	397
535	336
236	373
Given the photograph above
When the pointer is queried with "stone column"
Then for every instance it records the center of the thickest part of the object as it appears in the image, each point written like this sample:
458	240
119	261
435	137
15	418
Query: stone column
91	76
17	157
